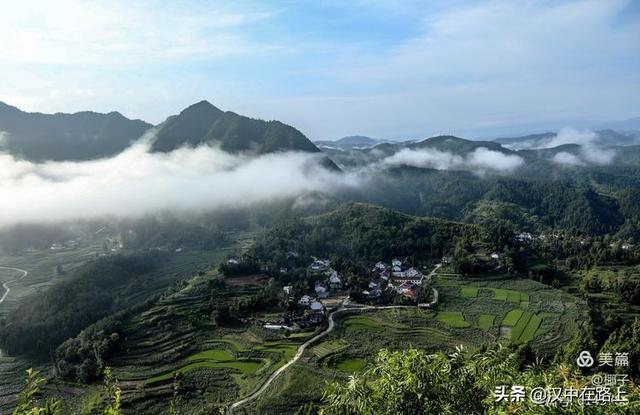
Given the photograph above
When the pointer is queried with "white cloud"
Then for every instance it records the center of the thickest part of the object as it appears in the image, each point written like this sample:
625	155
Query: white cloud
485	159
570	135
425	158
75	32
137	182
590	151
567	159
480	160
597	155
489	64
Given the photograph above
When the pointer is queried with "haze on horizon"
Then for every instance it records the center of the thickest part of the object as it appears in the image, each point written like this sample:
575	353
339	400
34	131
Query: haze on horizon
376	67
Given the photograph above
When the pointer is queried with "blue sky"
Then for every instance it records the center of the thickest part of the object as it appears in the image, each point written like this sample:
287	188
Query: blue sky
388	69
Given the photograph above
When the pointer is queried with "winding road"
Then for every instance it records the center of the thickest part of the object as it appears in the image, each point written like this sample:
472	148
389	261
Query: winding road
5	285
304	346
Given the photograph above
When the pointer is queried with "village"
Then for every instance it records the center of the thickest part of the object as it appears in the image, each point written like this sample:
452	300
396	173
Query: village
393	283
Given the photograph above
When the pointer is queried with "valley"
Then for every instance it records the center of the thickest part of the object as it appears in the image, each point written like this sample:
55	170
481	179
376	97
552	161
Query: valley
445	247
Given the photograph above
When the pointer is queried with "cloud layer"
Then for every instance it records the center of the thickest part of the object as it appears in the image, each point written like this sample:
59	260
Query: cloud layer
481	160
137	182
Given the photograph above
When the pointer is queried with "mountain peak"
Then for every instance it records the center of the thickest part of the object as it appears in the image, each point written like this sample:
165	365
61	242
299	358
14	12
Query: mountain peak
202	107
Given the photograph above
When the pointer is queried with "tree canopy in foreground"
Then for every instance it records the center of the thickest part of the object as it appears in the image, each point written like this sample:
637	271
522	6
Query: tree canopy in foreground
417	382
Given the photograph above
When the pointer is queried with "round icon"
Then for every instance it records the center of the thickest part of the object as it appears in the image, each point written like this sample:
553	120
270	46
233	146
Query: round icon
585	359
538	396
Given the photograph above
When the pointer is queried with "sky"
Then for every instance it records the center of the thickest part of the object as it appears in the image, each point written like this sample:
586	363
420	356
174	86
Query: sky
388	69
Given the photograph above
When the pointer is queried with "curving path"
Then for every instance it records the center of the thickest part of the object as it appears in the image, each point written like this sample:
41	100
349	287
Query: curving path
5	285
277	373
304	346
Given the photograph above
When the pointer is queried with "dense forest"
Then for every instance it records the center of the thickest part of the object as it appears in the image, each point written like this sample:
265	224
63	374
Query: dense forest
89	293
362	233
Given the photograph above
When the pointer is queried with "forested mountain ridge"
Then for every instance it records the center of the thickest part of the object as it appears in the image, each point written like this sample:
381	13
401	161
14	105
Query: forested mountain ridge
353	141
203	123
362	232
80	136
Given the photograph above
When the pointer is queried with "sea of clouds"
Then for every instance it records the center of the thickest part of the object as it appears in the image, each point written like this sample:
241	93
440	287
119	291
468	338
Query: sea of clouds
138	182
481	160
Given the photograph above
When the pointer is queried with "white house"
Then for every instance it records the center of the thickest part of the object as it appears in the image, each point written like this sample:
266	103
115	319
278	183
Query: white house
524	236
305	300
412	273
334	281
316	307
495	256
379	266
321	291
288	289
319	265
396	263
233	261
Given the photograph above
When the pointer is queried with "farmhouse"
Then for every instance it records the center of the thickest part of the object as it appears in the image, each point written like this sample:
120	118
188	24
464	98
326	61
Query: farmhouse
318	311
524	237
408	289
316	307
334	281
321	290
305	300
412	292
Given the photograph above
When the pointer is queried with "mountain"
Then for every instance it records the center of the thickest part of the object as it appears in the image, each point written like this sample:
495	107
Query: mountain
603	138
457	145
527	141
203	123
80	136
352	141
631	124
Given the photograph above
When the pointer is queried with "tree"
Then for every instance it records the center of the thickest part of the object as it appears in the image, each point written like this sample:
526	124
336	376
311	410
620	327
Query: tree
416	382
26	404
111	393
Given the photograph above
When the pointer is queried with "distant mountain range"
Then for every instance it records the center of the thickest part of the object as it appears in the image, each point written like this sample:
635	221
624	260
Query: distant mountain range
90	135
602	138
352	141
631	124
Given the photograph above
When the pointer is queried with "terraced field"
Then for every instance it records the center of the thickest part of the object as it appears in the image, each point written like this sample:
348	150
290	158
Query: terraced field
525	327
514	296
549	316
469	292
453	319
330	347
485	321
